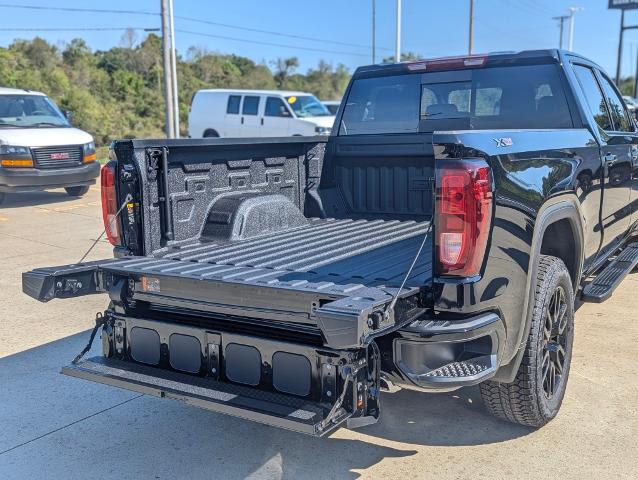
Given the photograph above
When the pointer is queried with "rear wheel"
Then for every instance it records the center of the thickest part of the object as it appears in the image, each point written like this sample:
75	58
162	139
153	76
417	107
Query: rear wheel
76	191
210	133
536	394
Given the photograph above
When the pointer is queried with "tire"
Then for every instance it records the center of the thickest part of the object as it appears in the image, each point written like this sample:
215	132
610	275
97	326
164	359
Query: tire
76	191
210	133
536	394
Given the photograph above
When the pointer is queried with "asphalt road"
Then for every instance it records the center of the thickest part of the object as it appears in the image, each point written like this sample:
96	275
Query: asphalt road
52	426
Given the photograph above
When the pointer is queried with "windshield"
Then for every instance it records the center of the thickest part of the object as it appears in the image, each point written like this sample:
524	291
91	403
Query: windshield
27	111
307	106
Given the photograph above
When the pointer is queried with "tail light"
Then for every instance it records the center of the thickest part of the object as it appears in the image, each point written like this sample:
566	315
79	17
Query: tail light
463	216
109	204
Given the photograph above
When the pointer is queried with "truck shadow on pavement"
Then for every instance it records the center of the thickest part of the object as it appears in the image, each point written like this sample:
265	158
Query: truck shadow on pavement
16	200
65	425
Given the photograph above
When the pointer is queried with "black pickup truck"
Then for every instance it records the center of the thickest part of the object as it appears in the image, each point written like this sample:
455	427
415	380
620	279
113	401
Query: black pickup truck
440	237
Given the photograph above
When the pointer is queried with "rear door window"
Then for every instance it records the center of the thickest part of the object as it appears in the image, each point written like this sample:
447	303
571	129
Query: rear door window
233	104
594	96
619	115
251	105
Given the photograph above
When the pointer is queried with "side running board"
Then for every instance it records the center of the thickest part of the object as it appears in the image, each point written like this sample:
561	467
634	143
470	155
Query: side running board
601	288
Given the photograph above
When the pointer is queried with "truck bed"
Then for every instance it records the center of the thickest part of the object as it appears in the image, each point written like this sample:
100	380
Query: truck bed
325	251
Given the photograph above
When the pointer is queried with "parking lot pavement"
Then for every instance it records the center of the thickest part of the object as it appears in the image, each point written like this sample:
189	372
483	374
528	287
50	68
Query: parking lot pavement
59	427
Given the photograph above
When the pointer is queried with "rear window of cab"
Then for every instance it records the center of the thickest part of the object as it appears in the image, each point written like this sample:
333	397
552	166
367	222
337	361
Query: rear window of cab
512	97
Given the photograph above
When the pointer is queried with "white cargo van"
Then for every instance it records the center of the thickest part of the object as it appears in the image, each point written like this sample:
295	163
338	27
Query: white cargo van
39	149
257	113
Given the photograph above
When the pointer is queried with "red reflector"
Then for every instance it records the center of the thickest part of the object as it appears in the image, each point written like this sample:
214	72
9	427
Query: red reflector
463	215
109	204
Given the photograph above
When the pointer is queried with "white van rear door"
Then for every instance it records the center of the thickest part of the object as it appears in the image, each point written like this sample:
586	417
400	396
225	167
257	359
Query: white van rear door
276	119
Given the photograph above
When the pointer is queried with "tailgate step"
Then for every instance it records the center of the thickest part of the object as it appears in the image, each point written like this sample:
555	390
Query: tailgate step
283	411
601	288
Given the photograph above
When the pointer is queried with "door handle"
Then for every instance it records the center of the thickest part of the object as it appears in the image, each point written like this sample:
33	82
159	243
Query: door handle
610	158
242	120
262	120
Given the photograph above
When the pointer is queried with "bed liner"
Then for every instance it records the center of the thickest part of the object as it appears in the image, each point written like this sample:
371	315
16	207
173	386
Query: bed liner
344	251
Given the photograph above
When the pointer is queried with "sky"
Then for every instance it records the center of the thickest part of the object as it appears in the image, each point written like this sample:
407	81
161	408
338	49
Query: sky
338	31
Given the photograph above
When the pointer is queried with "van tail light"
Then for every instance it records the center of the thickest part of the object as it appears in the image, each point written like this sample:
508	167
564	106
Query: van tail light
109	204
463	215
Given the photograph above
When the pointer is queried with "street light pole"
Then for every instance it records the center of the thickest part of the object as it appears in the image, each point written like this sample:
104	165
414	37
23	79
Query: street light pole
397	53
620	45
166	58
471	32
171	20
374	29
561	19
572	14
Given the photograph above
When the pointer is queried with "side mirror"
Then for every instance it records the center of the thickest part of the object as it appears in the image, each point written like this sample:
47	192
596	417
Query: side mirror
69	116
283	112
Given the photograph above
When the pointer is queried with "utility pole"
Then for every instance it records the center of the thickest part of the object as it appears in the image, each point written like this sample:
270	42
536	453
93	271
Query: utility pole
620	42
561	19
374	29
171	20
572	14
397	53
168	84
470	46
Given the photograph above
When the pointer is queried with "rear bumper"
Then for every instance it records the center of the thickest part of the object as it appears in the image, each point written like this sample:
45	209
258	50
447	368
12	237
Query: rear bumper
444	355
33	179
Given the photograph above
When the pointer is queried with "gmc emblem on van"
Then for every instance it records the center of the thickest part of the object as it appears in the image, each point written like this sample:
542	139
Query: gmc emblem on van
60	156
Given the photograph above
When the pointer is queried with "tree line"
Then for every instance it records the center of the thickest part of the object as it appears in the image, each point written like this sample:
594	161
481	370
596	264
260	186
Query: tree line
118	93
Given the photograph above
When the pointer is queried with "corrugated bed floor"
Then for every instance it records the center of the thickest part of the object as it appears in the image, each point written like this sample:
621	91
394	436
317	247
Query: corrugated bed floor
371	252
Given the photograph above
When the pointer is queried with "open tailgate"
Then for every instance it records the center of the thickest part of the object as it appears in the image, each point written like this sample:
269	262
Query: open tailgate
347	315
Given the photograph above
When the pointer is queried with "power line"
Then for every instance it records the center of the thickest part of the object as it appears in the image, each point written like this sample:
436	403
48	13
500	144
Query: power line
154	29
73	29
537	6
529	8
270	32
235	39
189	19
74	9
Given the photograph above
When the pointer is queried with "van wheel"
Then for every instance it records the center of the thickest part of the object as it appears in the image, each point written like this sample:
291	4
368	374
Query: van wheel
536	394
76	191
210	133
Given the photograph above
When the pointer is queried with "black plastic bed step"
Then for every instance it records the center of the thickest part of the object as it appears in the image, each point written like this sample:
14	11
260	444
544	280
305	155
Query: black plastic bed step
601	288
283	411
